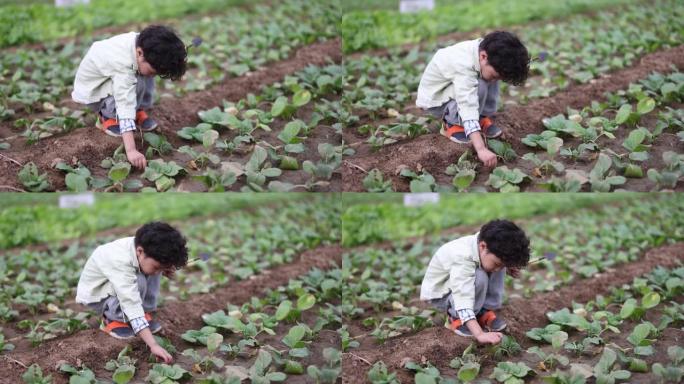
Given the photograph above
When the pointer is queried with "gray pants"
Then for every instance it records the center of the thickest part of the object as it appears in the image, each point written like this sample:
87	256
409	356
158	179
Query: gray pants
149	292
489	289
487	94
144	92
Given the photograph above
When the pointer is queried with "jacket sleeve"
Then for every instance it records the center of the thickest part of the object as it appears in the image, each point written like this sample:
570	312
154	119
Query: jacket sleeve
465	93
462	284
125	283
124	87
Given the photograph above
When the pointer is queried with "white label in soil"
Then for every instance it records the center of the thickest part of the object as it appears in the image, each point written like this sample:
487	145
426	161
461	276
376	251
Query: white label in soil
69	3
418	199
411	6
75	201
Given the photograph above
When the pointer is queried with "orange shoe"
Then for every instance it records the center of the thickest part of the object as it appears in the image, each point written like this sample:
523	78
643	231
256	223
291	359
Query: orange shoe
108	126
490	130
488	320
145	122
458	328
455	133
117	329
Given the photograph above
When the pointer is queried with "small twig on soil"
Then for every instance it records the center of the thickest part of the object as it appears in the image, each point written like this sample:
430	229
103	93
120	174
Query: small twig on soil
349	163
360	358
10	159
11	188
15	361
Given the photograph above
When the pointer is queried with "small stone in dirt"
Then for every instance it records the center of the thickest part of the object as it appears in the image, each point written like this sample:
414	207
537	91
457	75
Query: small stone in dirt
405	361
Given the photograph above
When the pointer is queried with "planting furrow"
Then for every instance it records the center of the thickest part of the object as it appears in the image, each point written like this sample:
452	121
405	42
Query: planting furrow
93	347
432	153
438	345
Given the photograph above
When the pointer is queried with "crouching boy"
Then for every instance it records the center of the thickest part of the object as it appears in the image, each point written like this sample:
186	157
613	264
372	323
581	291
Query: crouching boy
116	80
465	278
121	280
460	86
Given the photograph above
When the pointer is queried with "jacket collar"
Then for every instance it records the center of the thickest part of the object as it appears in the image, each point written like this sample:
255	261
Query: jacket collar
475	249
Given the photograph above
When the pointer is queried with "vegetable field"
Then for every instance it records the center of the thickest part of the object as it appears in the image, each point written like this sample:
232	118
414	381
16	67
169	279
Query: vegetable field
601	111
261	303
604	306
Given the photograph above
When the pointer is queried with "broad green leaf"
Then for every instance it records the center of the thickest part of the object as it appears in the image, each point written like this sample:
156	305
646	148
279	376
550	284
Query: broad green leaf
305	302
634	171
301	98
623	114
423	378
214	340
650	300
293	367
209	138
468	372
645	106
76	182
123	374
628	308
289	163
119	172
293	337
634	140
283	310
279	106
290	132
214	116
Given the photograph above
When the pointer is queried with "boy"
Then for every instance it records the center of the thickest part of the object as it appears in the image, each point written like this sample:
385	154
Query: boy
116	80
465	278
460	86
121	279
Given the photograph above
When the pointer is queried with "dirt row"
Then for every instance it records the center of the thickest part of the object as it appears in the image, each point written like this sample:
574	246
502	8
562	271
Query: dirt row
434	153
93	348
521	315
89	146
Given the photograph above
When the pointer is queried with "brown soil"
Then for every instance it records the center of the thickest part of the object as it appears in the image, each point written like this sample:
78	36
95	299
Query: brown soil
93	348
521	315
433	153
90	147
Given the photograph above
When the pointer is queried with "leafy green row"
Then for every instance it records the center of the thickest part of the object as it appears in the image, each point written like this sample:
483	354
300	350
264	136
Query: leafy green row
586	242
235	42
362	30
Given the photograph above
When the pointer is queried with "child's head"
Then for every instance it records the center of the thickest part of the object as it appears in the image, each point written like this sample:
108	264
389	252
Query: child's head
504	57
502	244
161	52
160	248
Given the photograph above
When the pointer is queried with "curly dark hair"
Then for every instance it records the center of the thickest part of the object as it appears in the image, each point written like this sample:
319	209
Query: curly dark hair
164	50
163	243
507	54
507	242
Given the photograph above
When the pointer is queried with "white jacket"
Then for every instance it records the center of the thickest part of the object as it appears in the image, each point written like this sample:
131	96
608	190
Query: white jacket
453	73
453	268
112	271
109	68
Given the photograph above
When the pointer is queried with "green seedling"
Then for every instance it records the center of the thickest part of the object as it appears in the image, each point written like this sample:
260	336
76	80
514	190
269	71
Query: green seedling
375	182
424	182
34	375
123	367
30	177
330	373
163	374
463	171
81	376
378	374
260	373
507	180
511	373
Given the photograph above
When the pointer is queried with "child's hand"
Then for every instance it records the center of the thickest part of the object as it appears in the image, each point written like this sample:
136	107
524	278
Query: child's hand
487	157
137	159
513	272
489	337
161	353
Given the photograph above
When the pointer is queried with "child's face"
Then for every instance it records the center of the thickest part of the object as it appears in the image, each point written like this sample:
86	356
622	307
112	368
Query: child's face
150	266
144	68
486	70
488	261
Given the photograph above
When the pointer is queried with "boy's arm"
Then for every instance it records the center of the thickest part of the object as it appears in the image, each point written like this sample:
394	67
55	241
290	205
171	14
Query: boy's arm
124	86
155	348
